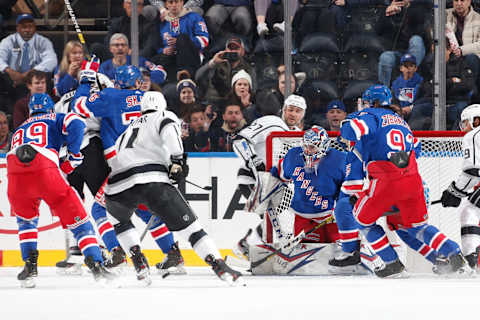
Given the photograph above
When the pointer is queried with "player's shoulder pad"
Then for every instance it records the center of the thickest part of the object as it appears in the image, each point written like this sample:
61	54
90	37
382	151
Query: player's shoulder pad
166	118
69	118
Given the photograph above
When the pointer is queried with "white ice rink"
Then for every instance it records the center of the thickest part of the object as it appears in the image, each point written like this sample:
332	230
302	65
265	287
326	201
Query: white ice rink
201	295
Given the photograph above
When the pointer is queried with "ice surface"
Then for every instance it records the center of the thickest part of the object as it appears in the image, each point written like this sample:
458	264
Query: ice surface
201	295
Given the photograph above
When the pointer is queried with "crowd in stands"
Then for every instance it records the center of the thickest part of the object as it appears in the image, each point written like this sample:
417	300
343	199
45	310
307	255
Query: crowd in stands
216	60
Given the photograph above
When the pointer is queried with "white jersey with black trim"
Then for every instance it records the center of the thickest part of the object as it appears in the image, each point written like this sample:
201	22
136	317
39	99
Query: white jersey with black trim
144	151
257	132
470	175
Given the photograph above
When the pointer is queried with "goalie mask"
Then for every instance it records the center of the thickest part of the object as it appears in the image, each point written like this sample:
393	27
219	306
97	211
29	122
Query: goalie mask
468	116
315	146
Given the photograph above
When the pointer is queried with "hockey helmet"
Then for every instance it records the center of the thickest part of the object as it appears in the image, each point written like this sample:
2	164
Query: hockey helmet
469	114
378	93
315	146
153	101
40	103
127	75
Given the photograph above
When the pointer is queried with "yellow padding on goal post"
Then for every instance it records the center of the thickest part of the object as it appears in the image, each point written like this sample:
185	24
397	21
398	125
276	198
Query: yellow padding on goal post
13	258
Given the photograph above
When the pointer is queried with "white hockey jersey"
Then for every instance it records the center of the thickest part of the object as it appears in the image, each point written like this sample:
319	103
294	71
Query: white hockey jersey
471	161
144	151
256	134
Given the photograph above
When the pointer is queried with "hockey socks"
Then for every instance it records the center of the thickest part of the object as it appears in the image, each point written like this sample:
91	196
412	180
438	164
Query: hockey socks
159	231
105	228
200	241
87	241
435	239
417	245
127	235
347	226
27	234
379	242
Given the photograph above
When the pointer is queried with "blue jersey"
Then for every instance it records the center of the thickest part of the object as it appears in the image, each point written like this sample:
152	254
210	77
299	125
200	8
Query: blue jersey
378	132
315	193
48	132
116	107
406	91
189	23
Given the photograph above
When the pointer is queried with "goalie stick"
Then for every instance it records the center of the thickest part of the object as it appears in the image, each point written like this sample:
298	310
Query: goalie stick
291	243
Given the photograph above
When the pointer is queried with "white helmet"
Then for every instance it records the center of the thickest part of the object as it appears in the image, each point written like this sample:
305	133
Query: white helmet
153	101
296	101
469	114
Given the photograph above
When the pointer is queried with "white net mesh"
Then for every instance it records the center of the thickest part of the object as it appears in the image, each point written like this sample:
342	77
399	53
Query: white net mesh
439	164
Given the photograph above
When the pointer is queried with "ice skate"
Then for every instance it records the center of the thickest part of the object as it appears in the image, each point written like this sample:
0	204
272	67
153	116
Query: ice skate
224	272
455	265
347	263
72	265
173	262
241	250
394	269
116	258
100	274
29	272
141	265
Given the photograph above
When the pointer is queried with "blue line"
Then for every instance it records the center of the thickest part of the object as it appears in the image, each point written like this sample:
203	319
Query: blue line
212	155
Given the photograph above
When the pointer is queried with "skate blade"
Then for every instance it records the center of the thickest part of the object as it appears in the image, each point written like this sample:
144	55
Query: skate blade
401	275
28	283
462	273
355	270
74	270
172	270
228	278
144	278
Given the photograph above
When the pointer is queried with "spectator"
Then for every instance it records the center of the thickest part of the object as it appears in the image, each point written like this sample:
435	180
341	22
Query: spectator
65	76
183	36
465	23
147	84
21	52
236	10
280	90
36	83
460	84
215	77
119	48
404	22
198	139
233	122
146	30
336	113
194	5
406	87
187	95
5	134
242	88
261	7
5	12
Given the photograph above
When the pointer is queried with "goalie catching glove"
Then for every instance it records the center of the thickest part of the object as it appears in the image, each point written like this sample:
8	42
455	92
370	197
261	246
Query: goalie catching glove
178	170
71	162
452	196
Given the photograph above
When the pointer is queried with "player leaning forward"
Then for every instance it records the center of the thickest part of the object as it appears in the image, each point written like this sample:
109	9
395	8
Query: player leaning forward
34	174
466	181
385	145
148	153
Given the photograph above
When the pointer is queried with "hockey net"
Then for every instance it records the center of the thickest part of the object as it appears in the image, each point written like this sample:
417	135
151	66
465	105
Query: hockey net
439	164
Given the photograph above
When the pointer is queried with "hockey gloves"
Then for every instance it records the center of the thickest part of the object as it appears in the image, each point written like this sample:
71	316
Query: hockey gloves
257	163
71	162
178	170
88	73
452	196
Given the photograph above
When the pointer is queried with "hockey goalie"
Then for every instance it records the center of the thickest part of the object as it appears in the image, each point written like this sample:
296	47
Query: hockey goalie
306	232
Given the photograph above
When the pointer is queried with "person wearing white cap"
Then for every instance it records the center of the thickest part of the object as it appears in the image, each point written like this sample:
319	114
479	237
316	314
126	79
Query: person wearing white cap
242	87
293	111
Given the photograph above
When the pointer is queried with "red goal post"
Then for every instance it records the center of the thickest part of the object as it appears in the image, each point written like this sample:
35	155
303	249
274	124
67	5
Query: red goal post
439	164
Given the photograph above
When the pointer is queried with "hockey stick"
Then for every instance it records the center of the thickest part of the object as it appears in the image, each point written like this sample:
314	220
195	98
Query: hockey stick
206	188
77	27
149	224
291	243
